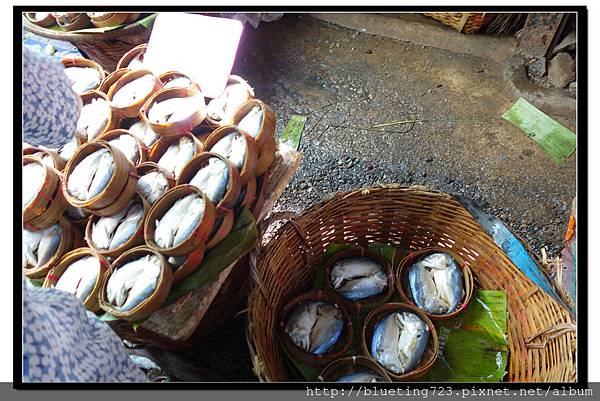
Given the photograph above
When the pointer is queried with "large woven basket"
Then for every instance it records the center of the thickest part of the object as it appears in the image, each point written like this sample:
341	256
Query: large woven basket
105	48
464	22
541	333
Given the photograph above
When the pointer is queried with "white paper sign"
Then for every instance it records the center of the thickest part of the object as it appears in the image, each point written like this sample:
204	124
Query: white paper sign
201	47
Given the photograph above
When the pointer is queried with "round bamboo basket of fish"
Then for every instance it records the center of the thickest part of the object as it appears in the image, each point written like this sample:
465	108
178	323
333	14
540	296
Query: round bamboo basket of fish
224	220
197	238
233	79
45	22
337	350
135	240
83	62
150	304
247	195
133	109
191	263
266	157
49	204
402	283
262	183
267	127
541	331
115	133
91	301
128	57
343	366
160	147
72	21
147	167
199	161
111	19
359	306
58	163
120	188
111	78
174	127
69	239
111	123
431	350
168	76
248	168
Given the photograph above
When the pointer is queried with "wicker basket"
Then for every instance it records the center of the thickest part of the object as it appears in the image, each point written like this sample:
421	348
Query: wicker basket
131	110
336	369
105	48
248	168
541	333
128	57
464	22
111	123
116	133
111	78
58	163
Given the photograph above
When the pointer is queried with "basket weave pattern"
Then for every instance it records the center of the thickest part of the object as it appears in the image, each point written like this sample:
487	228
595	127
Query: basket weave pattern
463	22
541	333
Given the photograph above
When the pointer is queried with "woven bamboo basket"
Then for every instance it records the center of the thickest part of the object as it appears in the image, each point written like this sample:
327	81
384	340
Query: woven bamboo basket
111	78
168	76
150	304
105	48
403	287
111	123
226	118
132	110
464	22
111	19
72	21
115	133
265	157
541	332
199	235
58	163
247	195
91	302
49	204
135	240
336	351
248	168
358	306
343	366
174	127
70	238
45	22
137	52
120	188
68	62
160	147
224	220
267	127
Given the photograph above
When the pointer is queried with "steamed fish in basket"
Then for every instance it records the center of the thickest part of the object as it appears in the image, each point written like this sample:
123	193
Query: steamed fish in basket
436	283
399	341
33	180
179	221
111	232
252	122
45	158
221	109
134	282
144	132
152	186
93	118
233	147
68	149
315	326
137	62
212	179
179	82
174	109
128	145
177	155
356	278
91	175
134	91
83	79
40	246
361	376
80	277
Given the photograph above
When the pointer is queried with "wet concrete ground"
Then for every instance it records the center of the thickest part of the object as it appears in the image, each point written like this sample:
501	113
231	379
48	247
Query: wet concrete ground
346	82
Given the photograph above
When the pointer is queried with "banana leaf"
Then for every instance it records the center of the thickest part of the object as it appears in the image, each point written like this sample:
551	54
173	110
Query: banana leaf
292	133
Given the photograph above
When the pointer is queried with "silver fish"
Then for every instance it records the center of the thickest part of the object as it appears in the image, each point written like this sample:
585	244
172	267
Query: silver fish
252	121
133	282
48	244
128	145
179	221
361	377
128	226
222	108
104	228
179	82
212	179
133	91
69	149
91	175
83	78
93	118
102	175
152	186
31	242
144	133
358	278
399	341
174	109
233	147
80	277
436	283
33	179
315	326
177	155
190	221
